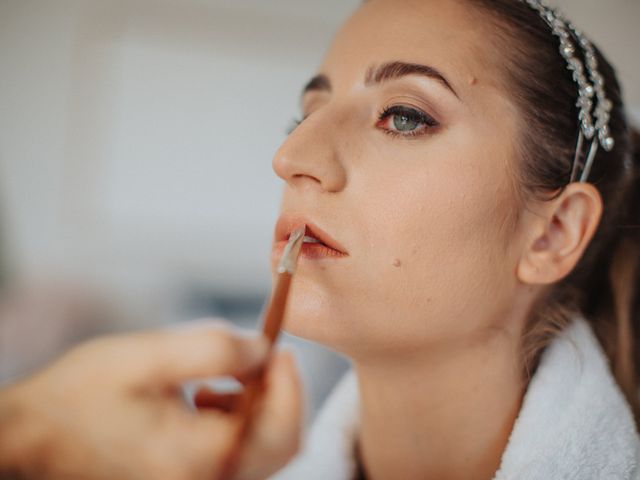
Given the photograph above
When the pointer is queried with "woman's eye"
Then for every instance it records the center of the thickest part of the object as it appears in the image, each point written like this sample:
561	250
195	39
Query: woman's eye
406	121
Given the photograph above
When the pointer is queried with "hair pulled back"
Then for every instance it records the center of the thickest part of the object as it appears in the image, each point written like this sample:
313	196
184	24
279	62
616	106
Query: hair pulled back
605	285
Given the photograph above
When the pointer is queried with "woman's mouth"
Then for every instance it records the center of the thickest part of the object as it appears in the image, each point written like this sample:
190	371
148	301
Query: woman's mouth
314	248
317	244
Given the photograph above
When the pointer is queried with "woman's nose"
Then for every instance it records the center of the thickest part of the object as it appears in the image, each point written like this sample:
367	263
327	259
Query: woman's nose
309	158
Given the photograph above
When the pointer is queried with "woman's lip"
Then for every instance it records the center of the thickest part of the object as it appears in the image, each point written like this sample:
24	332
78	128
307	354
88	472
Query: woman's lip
287	224
312	251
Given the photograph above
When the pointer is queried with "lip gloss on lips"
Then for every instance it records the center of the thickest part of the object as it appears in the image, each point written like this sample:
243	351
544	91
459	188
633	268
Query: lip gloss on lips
313	247
271	329
317	245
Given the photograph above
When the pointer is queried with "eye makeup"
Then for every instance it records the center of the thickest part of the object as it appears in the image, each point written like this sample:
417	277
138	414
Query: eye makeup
405	113
395	120
404	120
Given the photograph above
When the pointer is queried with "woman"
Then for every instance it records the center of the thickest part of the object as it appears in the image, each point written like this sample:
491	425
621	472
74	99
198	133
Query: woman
474	247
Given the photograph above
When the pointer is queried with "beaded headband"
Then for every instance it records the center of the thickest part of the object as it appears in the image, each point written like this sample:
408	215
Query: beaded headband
597	132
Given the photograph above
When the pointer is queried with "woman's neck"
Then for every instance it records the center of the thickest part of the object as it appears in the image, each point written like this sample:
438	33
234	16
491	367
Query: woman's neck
443	413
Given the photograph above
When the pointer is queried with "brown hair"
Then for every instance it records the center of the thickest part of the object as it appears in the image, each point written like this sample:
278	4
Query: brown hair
605	285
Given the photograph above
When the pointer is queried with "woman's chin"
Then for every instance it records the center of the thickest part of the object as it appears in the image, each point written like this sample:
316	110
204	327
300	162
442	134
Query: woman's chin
322	325
310	324
315	311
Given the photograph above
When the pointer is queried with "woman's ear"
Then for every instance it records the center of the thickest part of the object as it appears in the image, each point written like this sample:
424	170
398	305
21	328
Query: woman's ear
561	230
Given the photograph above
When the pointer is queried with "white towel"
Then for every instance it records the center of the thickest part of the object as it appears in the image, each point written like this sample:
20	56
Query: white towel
574	424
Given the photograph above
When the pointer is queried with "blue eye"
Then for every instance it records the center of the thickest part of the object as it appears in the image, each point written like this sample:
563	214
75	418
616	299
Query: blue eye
406	121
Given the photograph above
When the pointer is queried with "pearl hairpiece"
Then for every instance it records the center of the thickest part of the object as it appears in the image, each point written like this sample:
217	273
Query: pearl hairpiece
597	132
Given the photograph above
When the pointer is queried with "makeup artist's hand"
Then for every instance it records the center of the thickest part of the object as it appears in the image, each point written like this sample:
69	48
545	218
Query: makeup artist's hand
112	409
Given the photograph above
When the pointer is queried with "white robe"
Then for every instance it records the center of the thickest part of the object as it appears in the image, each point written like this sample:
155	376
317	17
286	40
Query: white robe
574	422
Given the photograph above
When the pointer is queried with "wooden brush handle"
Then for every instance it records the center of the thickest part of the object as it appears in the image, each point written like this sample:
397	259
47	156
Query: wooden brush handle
255	386
275	312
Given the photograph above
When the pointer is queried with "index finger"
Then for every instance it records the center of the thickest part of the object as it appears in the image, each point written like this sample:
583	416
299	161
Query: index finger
167	358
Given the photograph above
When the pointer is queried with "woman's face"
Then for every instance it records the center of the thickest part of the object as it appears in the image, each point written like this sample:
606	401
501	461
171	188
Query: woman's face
404	163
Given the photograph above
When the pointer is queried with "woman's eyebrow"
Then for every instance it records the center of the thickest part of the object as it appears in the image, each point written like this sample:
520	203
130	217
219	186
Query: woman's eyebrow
392	70
386	71
320	82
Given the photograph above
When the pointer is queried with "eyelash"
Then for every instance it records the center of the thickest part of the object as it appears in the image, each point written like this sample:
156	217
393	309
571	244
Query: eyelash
294	124
412	113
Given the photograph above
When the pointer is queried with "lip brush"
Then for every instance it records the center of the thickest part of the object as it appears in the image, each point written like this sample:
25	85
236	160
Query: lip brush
271	329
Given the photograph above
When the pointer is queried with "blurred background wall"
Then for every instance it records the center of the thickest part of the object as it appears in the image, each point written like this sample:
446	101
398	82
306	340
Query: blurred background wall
136	139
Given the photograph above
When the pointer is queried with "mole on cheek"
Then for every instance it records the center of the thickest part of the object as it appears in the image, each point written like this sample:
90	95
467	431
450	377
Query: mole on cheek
397	262
473	81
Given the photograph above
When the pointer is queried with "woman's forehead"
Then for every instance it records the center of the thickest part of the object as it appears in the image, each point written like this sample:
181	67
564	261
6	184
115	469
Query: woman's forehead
444	34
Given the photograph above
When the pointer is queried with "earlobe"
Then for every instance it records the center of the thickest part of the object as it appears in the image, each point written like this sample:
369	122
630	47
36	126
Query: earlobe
561	231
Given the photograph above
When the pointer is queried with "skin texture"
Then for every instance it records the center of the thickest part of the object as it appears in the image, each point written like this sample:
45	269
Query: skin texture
444	260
